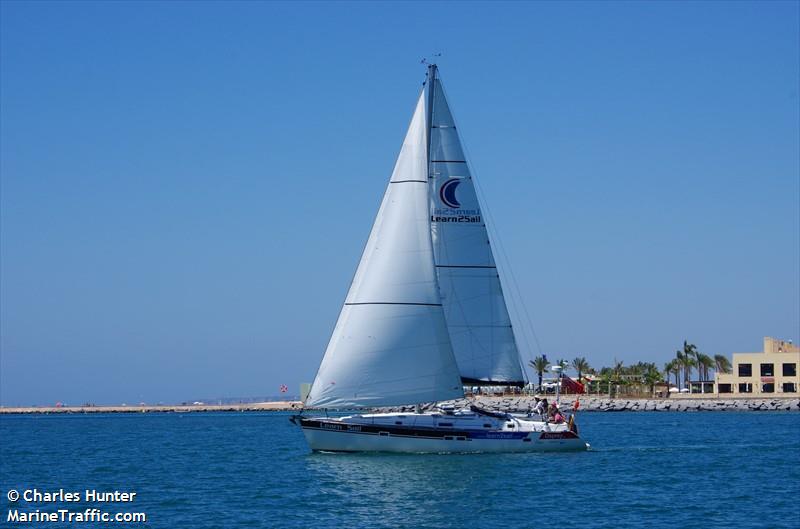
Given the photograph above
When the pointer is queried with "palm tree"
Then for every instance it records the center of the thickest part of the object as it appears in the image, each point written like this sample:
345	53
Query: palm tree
696	355
539	364
670	368
687	360
678	360
705	362
722	364
676	368
688	364
581	366
690	351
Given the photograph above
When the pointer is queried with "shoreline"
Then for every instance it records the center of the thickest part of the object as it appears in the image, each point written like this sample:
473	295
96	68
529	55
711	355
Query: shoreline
511	404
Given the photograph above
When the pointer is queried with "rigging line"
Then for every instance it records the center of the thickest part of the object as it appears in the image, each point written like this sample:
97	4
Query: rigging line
459	301
516	292
507	263
523	334
499	240
513	296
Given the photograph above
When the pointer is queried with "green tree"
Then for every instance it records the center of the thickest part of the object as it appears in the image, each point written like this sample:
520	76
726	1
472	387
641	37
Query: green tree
722	364
674	367
704	363
686	359
581	366
651	377
606	377
539	364
678	360
696	356
670	368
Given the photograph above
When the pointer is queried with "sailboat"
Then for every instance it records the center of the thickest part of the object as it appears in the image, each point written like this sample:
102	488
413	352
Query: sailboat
425	315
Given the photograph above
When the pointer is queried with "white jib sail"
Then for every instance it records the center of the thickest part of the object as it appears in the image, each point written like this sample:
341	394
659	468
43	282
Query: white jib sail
472	296
391	345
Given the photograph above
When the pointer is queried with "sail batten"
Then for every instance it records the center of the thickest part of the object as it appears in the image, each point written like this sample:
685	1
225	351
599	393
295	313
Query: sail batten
475	310
390	345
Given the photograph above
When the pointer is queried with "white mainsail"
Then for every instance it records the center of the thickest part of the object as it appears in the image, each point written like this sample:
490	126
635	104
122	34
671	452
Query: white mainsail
391	344
477	318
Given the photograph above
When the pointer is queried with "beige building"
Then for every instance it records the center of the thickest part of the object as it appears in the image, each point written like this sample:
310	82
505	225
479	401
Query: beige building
773	372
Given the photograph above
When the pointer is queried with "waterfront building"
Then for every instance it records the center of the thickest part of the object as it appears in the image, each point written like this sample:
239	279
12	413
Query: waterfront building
773	372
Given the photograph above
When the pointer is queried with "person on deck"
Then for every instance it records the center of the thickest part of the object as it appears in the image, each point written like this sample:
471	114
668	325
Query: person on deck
556	414
538	406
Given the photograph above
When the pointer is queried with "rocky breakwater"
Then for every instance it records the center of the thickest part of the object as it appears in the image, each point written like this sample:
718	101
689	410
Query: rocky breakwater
522	404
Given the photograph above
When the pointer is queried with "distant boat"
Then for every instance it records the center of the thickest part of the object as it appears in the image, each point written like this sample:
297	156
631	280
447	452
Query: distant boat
425	316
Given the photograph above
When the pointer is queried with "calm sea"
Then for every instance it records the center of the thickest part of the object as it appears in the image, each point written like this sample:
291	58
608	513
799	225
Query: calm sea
667	470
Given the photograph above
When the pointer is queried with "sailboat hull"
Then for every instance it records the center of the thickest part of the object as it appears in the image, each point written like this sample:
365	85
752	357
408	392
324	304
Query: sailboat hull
434	433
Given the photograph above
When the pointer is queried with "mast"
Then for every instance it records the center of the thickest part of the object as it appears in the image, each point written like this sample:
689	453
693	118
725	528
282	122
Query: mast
429	113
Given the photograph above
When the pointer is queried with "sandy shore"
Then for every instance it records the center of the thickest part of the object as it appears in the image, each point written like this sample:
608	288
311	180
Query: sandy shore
250	406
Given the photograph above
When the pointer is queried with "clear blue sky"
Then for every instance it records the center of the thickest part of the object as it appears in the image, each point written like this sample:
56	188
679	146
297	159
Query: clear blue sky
187	187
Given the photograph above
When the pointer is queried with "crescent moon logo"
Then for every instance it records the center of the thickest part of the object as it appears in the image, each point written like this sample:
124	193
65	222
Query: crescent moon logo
448	193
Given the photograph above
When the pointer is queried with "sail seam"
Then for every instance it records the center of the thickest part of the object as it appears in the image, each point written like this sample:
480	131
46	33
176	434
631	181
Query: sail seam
394	303
465	266
405	181
473	326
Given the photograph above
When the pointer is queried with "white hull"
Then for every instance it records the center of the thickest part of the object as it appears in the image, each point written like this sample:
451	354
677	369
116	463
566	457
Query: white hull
437	433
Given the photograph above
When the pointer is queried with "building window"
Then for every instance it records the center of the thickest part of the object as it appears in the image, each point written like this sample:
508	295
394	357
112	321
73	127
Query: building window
789	387
767	370
790	370
725	388
769	387
745	388
745	370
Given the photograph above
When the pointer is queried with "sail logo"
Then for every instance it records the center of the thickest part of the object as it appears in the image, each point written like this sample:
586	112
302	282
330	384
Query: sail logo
454	211
447	193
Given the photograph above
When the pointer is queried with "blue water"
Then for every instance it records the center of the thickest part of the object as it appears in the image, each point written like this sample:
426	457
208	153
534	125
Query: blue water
672	470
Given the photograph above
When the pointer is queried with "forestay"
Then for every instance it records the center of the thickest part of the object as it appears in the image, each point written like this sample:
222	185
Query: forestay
391	344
